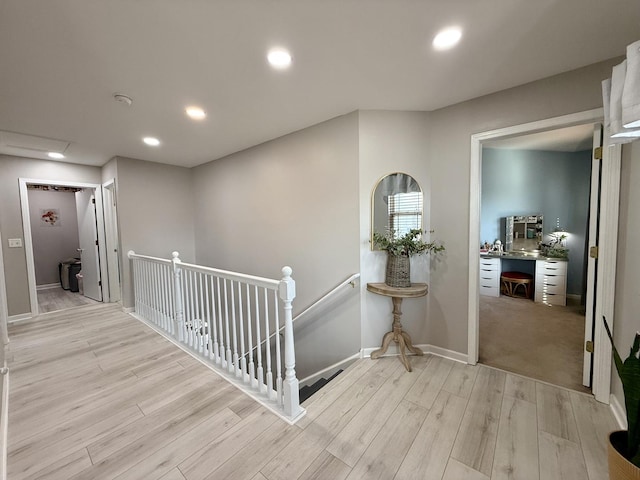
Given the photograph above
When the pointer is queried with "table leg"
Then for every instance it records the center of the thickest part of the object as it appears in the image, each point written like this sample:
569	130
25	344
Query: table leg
386	340
402	339
410	347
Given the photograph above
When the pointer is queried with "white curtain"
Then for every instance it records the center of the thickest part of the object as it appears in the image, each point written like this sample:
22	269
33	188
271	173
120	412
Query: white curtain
621	98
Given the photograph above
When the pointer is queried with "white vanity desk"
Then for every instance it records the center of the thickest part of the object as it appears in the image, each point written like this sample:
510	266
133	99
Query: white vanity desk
550	276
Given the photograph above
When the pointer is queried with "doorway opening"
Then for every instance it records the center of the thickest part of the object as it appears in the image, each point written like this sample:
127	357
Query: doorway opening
535	200
63	226
607	222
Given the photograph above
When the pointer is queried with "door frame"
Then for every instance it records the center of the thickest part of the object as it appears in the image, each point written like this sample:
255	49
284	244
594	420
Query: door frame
28	241
112	235
610	193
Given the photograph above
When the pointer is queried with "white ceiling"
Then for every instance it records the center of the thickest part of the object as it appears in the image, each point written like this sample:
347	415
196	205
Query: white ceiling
61	61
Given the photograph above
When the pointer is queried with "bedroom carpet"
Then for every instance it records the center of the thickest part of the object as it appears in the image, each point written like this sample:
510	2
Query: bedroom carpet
531	339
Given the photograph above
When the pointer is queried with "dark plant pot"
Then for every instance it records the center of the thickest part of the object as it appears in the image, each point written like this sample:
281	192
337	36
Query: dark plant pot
619	467
398	272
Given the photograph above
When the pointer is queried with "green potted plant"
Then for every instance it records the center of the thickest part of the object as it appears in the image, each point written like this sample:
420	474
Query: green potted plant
624	445
399	249
556	248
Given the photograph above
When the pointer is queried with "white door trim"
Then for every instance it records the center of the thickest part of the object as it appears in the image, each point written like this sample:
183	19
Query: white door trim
28	241
608	237
4	306
112	240
592	237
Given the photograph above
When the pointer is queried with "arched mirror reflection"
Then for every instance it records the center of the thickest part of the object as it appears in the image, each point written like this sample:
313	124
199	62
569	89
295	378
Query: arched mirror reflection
396	205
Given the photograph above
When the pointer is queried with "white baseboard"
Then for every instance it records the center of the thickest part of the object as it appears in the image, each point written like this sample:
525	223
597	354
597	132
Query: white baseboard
48	286
618	412
128	309
329	371
432	349
19	317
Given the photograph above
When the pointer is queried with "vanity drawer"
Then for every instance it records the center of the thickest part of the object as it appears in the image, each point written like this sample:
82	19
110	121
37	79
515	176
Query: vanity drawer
555	286
552	267
489	264
489	289
489	275
551	298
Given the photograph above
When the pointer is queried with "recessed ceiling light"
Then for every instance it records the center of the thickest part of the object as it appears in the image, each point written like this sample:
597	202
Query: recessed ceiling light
279	58
195	112
152	141
447	38
56	155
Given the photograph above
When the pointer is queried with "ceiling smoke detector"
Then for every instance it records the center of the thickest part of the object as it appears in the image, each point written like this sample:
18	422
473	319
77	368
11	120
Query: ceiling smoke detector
119	97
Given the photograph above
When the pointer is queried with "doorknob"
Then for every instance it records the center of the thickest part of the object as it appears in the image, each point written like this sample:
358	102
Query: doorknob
80	250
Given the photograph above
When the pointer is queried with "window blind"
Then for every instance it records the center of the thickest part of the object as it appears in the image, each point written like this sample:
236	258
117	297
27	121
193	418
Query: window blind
405	212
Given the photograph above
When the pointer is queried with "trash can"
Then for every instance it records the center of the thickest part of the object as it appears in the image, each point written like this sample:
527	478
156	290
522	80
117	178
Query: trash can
80	286
74	269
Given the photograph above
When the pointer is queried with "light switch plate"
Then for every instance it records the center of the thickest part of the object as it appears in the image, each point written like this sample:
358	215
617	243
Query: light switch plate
15	242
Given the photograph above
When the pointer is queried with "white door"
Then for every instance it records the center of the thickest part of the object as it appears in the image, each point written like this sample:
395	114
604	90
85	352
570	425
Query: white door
88	239
111	234
594	218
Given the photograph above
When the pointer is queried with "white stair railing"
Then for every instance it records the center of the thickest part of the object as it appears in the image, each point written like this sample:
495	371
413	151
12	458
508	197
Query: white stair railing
222	318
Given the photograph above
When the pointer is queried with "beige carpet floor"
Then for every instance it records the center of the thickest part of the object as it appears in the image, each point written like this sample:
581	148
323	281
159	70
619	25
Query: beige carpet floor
532	339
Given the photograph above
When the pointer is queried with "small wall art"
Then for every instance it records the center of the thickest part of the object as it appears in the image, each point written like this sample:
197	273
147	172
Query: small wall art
50	217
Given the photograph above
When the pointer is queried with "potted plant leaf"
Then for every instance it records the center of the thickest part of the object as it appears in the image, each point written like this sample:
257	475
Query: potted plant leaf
624	445
399	249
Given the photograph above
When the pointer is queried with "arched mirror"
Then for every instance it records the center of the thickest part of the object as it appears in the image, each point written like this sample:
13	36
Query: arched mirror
396	204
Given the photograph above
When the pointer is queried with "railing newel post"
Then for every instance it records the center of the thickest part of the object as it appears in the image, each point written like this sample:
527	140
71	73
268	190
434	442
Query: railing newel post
291	401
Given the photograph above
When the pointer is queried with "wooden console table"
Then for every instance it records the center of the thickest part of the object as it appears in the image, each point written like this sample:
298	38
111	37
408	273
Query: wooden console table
399	336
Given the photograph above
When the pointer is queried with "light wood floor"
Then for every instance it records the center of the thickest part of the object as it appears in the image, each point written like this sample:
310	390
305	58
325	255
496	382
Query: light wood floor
97	395
54	299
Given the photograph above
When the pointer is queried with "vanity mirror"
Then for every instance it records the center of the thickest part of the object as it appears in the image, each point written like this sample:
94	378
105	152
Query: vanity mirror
523	232
396	204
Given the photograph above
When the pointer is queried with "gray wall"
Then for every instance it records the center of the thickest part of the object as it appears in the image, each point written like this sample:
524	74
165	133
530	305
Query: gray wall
556	184
155	213
393	142
53	244
11	169
449	150
627	301
291	201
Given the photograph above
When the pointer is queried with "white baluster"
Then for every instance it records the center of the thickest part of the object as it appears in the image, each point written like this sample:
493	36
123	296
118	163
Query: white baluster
155	294
260	371
267	355
223	358
214	326
234	329
136	274
229	359
177	297
243	358
251	366
209	310
291	393
198	322
166	293
278	356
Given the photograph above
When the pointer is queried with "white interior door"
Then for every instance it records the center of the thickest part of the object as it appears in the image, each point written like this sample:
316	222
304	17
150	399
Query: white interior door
111	234
88	239
594	218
